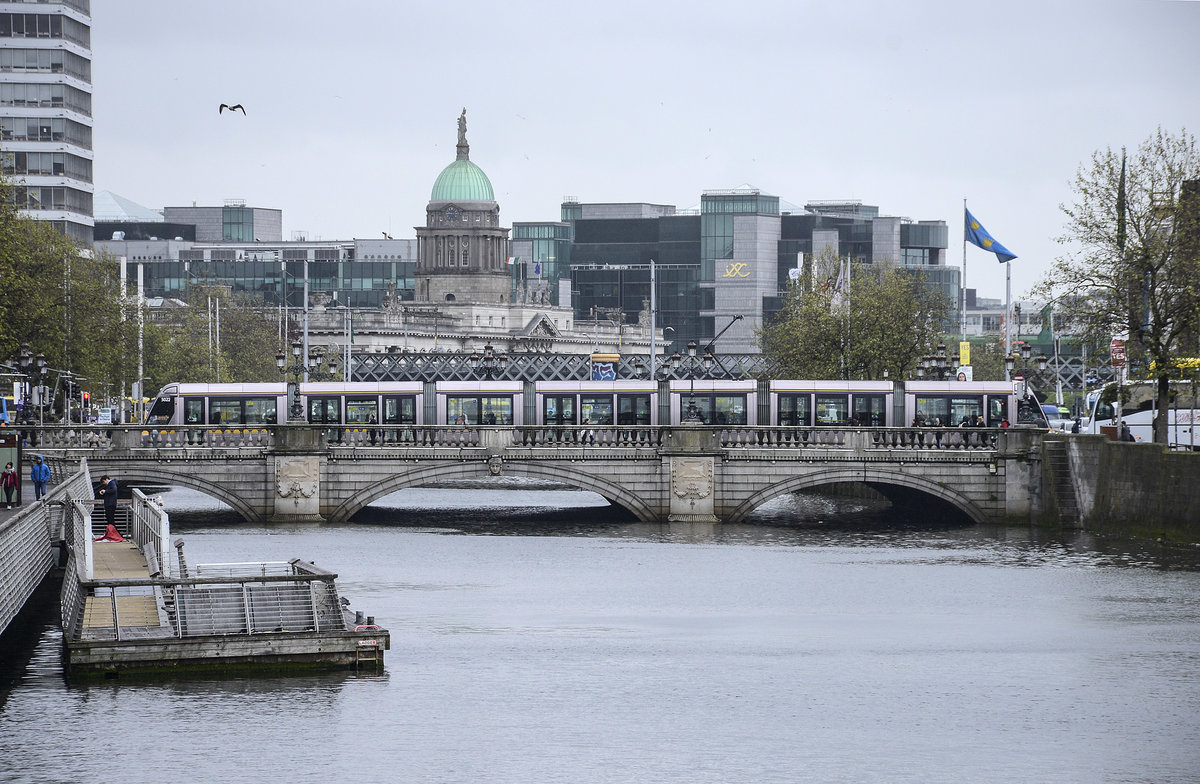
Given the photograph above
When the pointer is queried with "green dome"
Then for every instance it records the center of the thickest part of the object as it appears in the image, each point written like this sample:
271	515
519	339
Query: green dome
462	181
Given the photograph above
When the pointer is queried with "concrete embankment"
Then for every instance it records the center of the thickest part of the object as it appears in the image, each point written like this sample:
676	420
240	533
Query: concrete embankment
1133	489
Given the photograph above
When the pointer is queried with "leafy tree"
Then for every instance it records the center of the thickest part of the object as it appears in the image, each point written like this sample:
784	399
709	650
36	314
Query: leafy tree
883	320
60	301
1131	267
178	348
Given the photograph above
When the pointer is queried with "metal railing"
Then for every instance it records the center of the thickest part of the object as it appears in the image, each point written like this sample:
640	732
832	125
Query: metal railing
221	600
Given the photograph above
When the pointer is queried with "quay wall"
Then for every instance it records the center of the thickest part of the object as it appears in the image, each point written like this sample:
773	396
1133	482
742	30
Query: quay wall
1136	489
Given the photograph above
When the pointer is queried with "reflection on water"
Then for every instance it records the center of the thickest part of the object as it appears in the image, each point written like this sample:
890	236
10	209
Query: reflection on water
538	636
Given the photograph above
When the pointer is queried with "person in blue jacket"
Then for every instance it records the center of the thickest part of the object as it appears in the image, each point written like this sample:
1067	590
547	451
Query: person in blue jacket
39	475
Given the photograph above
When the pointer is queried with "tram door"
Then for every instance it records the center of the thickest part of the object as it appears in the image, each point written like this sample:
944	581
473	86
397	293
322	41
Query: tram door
398	410
558	410
326	411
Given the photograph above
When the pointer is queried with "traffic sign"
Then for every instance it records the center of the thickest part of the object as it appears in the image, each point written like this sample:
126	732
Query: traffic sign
1116	350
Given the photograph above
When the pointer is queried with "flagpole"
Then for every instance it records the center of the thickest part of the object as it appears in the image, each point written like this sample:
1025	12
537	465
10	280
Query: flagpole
1007	316
962	294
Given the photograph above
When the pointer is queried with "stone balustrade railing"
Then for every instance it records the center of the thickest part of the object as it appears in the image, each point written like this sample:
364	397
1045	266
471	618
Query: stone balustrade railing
106	438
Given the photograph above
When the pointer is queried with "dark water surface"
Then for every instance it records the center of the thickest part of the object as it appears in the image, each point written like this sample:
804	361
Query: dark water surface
538	637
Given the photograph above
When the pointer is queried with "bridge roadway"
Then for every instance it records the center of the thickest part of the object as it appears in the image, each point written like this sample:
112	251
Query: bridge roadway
660	474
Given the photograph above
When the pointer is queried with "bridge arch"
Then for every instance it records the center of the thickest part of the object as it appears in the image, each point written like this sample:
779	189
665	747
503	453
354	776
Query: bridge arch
130	476
419	475
860	475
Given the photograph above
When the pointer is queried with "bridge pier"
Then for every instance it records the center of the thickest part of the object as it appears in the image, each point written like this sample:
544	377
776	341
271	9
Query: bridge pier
690	463
301	455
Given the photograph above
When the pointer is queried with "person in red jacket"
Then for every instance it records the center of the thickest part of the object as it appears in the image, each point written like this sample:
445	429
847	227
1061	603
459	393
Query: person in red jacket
9	479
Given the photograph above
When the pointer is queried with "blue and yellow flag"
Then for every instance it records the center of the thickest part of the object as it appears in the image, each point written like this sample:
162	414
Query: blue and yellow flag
977	235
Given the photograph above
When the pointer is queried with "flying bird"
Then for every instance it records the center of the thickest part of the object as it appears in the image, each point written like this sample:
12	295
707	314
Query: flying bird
235	108
387	236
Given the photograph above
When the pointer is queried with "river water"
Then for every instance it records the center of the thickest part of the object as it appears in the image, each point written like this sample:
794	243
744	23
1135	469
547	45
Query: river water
538	637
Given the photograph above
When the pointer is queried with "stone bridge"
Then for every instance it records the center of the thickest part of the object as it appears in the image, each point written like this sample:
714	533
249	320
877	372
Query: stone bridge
659	474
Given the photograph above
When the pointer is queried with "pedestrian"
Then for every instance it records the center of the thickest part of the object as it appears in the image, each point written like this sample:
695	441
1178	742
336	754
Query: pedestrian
1075	425
108	491
1004	422
589	435
1125	434
371	423
39	475
9	480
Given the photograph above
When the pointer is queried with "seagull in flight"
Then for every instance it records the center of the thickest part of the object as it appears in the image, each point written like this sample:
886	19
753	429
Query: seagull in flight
237	107
387	236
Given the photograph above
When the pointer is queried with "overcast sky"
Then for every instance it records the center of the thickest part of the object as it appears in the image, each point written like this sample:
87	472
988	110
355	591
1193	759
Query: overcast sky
351	108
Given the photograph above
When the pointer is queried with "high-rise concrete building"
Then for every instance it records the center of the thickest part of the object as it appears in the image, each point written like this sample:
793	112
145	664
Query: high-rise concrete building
46	110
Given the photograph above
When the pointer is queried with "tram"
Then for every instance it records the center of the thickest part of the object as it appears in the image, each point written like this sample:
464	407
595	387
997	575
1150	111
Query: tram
748	403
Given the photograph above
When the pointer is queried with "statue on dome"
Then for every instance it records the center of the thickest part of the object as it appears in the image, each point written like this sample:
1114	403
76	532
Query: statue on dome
462	127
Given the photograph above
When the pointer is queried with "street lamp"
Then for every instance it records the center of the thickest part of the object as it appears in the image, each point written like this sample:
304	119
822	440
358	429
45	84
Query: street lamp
693	413
297	369
1026	410
489	364
937	364
37	366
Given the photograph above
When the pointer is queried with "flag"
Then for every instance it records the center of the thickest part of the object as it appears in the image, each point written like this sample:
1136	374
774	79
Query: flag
977	235
794	274
511	260
537	268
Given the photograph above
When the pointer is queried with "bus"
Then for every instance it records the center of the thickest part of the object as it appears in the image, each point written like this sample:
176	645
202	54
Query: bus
1139	413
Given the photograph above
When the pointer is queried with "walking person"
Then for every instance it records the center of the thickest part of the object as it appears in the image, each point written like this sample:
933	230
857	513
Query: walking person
371	423
108	491
40	476
9	480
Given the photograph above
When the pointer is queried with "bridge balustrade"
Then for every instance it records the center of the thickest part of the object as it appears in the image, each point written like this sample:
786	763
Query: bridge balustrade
865	438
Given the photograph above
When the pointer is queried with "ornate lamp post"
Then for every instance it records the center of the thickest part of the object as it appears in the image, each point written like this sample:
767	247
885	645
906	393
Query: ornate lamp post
297	369
490	364
36	366
693	414
1026	411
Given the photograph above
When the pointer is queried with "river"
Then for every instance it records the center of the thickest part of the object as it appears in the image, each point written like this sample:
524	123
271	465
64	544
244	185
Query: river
539	637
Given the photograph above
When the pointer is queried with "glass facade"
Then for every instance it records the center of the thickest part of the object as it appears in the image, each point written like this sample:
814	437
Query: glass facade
45	65
237	224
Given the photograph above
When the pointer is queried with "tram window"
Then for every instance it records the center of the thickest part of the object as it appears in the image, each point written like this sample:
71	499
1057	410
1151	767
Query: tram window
997	410
730	409
597	409
193	410
161	412
497	410
633	409
324	410
477	410
260	411
399	410
224	411
558	409
949	410
795	410
832	409
968	408
359	410
869	409
716	409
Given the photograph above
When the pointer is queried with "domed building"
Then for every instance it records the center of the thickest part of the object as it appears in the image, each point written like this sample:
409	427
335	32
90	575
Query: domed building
462	250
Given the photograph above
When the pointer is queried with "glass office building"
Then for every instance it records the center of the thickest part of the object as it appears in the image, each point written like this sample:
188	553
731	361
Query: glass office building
731	259
46	111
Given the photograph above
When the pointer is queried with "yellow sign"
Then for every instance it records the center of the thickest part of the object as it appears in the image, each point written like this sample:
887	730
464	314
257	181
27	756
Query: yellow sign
738	269
964	352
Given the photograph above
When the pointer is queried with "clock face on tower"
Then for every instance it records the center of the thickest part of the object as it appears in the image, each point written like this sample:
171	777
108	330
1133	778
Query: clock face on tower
451	213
